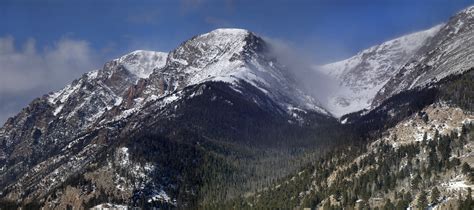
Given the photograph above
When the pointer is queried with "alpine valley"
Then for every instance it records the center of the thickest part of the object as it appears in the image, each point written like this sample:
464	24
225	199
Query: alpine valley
223	122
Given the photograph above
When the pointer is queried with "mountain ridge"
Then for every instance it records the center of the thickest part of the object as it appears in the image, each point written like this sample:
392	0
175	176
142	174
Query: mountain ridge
360	77
97	116
447	53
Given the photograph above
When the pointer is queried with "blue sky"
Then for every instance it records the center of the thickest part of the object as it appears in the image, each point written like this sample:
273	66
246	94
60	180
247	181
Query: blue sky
45	44
330	29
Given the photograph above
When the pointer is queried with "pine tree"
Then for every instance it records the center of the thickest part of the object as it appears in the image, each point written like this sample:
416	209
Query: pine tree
327	205
425	139
407	197
432	155
444	148
388	205
434	195
469	198
422	200
467	203
466	169
402	205
416	181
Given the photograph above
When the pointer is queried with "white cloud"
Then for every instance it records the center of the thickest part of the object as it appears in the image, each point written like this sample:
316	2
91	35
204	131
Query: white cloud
28	71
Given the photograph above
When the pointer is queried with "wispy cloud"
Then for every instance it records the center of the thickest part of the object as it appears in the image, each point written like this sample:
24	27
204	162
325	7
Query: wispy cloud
301	64
29	71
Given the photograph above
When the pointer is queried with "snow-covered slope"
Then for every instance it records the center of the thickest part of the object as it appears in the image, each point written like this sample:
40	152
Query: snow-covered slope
100	90
411	61
449	52
232	56
363	75
141	63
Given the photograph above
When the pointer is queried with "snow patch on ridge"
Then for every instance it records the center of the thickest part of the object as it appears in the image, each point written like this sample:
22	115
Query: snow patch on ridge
110	206
141	63
63	94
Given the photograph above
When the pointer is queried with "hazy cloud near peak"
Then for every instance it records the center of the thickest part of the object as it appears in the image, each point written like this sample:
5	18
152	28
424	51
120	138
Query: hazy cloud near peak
303	68
28	71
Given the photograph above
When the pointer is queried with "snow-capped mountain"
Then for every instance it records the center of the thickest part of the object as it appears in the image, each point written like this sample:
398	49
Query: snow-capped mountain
414	60
449	52
50	123
363	75
63	133
125	84
78	106
232	56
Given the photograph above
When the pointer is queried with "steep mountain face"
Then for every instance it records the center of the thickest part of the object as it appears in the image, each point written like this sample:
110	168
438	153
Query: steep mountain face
411	61
448	52
362	76
52	121
420	158
231	55
134	110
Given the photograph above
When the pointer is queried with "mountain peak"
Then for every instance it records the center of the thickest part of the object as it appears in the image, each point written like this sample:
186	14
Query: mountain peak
221	37
231	56
229	31
468	10
206	50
